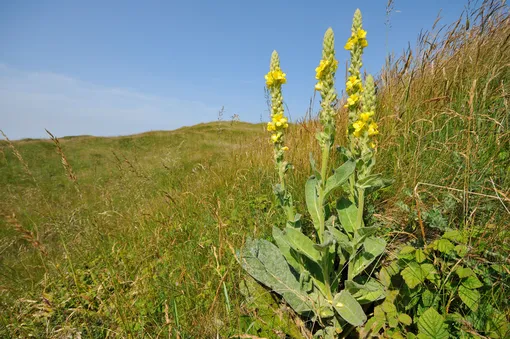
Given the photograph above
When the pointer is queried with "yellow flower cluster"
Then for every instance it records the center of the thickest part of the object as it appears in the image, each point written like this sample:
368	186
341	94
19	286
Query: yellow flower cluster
276	77
352	100
357	38
277	125
365	124
325	67
353	84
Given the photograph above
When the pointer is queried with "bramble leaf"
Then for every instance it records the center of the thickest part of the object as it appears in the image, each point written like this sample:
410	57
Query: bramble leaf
431	325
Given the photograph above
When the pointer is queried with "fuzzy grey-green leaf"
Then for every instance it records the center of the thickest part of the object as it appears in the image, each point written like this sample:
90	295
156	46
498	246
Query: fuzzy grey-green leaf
349	308
340	176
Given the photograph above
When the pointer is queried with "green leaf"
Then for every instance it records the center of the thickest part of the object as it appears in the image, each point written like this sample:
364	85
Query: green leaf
264	262
407	252
431	325
301	243
366	293
429	271
349	308
445	246
464	272
405	319
453	236
471	282
312	200
284	247
340	176
427	298
373	247
470	297
373	182
342	239
347	214
420	255
461	250
413	274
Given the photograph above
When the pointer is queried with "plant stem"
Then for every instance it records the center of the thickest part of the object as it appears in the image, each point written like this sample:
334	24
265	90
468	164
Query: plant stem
361	206
359	223
324	172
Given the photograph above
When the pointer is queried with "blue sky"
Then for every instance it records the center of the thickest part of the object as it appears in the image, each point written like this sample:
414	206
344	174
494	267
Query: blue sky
121	67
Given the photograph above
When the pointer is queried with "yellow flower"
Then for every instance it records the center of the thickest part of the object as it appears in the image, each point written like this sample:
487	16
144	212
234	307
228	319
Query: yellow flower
275	137
372	129
275	77
318	86
366	116
320	69
353	83
277	117
350	43
358	38
352	100
285	148
271	127
372	144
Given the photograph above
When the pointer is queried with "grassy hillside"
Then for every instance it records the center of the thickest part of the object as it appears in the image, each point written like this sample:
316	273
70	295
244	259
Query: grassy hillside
136	236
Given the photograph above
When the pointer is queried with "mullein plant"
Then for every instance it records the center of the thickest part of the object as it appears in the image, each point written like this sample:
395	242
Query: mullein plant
325	276
275	78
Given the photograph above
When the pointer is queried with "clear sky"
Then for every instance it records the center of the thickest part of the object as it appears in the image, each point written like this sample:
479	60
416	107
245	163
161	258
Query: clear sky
121	67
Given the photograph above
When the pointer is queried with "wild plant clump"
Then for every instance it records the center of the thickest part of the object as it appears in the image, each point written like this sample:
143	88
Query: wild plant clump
325	276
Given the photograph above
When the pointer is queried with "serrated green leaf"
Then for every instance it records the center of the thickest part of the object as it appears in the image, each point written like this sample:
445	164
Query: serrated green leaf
420	255
413	275
461	250
384	277
453	236
427	298
301	243
340	176
464	272
431	325
470	297
445	246
471	282
349	308
312	200
429	270
405	319
347	214
407	252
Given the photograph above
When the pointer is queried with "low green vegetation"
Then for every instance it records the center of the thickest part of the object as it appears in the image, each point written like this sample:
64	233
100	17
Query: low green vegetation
161	234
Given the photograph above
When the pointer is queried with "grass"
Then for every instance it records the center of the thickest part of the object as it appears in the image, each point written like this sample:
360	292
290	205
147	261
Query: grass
142	242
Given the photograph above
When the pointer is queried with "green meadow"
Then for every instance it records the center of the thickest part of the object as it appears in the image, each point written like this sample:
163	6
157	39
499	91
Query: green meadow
140	236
